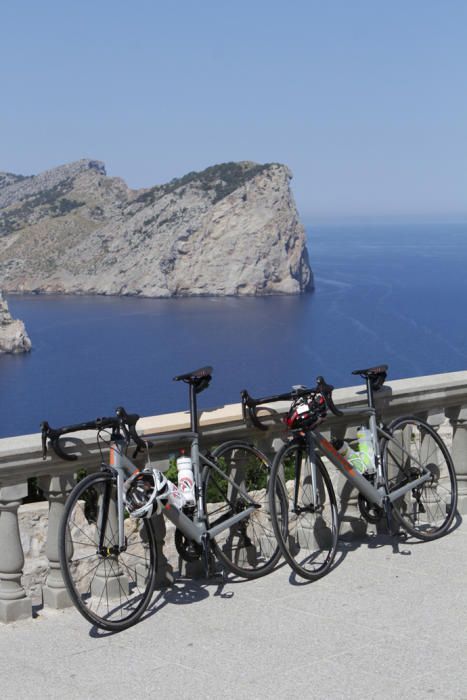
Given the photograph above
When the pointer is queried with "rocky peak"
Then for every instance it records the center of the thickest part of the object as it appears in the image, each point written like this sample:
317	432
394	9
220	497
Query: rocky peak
231	229
18	188
13	336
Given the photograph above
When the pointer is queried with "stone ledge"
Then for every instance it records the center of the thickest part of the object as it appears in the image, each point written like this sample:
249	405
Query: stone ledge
21	456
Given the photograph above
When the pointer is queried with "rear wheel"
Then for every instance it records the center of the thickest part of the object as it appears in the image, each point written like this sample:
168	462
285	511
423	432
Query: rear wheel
309	539
427	510
110	588
249	547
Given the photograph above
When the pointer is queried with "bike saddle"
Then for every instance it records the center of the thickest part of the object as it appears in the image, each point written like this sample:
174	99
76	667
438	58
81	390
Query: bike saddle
376	375
200	378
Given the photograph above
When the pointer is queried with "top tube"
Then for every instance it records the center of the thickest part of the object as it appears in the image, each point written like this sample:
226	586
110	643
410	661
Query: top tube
358	411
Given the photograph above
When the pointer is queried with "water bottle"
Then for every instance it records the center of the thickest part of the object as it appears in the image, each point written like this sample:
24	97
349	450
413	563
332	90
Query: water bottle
366	449
185	478
352	457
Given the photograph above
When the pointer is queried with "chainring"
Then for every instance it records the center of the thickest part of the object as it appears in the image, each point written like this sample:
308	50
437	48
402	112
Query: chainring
369	511
189	550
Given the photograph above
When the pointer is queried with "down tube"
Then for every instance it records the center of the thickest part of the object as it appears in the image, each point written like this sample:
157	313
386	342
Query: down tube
356	479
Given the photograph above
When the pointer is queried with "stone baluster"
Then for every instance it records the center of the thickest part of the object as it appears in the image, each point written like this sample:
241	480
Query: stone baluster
434	418
165	576
458	418
56	489
14	604
269	444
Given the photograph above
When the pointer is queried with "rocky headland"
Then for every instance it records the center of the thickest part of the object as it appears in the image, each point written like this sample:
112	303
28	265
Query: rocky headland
232	229
13	336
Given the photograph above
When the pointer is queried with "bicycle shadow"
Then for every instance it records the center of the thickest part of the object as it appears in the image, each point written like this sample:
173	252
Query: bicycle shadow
183	591
375	538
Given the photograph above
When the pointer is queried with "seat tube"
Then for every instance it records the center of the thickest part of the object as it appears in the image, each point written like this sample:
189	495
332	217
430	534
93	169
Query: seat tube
194	453
374	432
197	476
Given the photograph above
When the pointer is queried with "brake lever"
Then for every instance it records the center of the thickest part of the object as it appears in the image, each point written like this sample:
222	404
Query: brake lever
142	445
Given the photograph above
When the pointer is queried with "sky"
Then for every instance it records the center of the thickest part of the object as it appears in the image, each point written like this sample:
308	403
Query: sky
364	100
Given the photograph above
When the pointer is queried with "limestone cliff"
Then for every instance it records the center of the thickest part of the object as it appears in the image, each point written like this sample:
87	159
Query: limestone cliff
13	336
231	229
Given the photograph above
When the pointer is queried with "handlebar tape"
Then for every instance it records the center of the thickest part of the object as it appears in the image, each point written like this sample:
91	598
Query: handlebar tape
123	420
326	390
249	407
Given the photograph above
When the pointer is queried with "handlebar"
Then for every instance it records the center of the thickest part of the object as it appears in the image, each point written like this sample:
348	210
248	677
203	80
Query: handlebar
326	390
250	404
121	421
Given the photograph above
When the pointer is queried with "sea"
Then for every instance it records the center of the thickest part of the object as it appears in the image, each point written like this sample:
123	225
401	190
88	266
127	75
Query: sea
392	293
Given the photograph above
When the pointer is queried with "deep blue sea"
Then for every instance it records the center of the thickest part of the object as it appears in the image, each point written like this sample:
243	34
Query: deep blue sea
384	293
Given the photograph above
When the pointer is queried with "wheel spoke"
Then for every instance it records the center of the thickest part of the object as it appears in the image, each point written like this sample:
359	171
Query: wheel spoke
114	596
249	547
427	510
308	536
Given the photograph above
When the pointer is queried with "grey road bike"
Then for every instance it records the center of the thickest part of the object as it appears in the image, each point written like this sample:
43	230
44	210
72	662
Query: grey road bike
412	480
107	542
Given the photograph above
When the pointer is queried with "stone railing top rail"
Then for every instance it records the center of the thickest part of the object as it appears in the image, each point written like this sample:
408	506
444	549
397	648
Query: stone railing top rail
21	456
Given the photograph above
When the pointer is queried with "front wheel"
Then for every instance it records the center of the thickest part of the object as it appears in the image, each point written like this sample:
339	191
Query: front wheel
109	587
249	547
309	539
425	511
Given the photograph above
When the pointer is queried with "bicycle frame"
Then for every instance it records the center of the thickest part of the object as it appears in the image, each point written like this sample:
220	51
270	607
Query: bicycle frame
193	529
374	494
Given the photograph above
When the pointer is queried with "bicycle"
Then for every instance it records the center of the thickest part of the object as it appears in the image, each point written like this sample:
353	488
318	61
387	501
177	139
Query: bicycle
107	543
412	477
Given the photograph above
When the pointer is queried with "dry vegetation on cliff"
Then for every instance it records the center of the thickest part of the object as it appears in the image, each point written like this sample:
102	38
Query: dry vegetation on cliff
231	229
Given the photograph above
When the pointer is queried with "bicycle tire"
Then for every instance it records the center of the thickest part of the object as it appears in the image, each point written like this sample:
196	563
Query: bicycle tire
111	590
248	548
309	540
427	511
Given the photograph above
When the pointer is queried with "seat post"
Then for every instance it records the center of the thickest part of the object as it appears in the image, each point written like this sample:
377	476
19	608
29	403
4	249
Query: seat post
193	408
369	391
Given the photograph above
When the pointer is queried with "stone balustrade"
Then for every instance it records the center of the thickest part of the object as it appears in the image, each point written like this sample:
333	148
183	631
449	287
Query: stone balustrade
441	399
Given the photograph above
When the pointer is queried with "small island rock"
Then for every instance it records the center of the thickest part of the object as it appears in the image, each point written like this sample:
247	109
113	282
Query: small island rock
13	336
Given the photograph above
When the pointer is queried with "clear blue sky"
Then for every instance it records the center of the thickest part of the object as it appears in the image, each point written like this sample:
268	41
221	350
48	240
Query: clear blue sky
365	100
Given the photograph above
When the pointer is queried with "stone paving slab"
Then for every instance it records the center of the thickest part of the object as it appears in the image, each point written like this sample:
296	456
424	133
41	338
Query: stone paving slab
390	621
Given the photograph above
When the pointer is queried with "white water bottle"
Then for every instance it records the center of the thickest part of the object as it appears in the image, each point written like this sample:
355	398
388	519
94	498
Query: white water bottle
366	449
352	457
185	478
